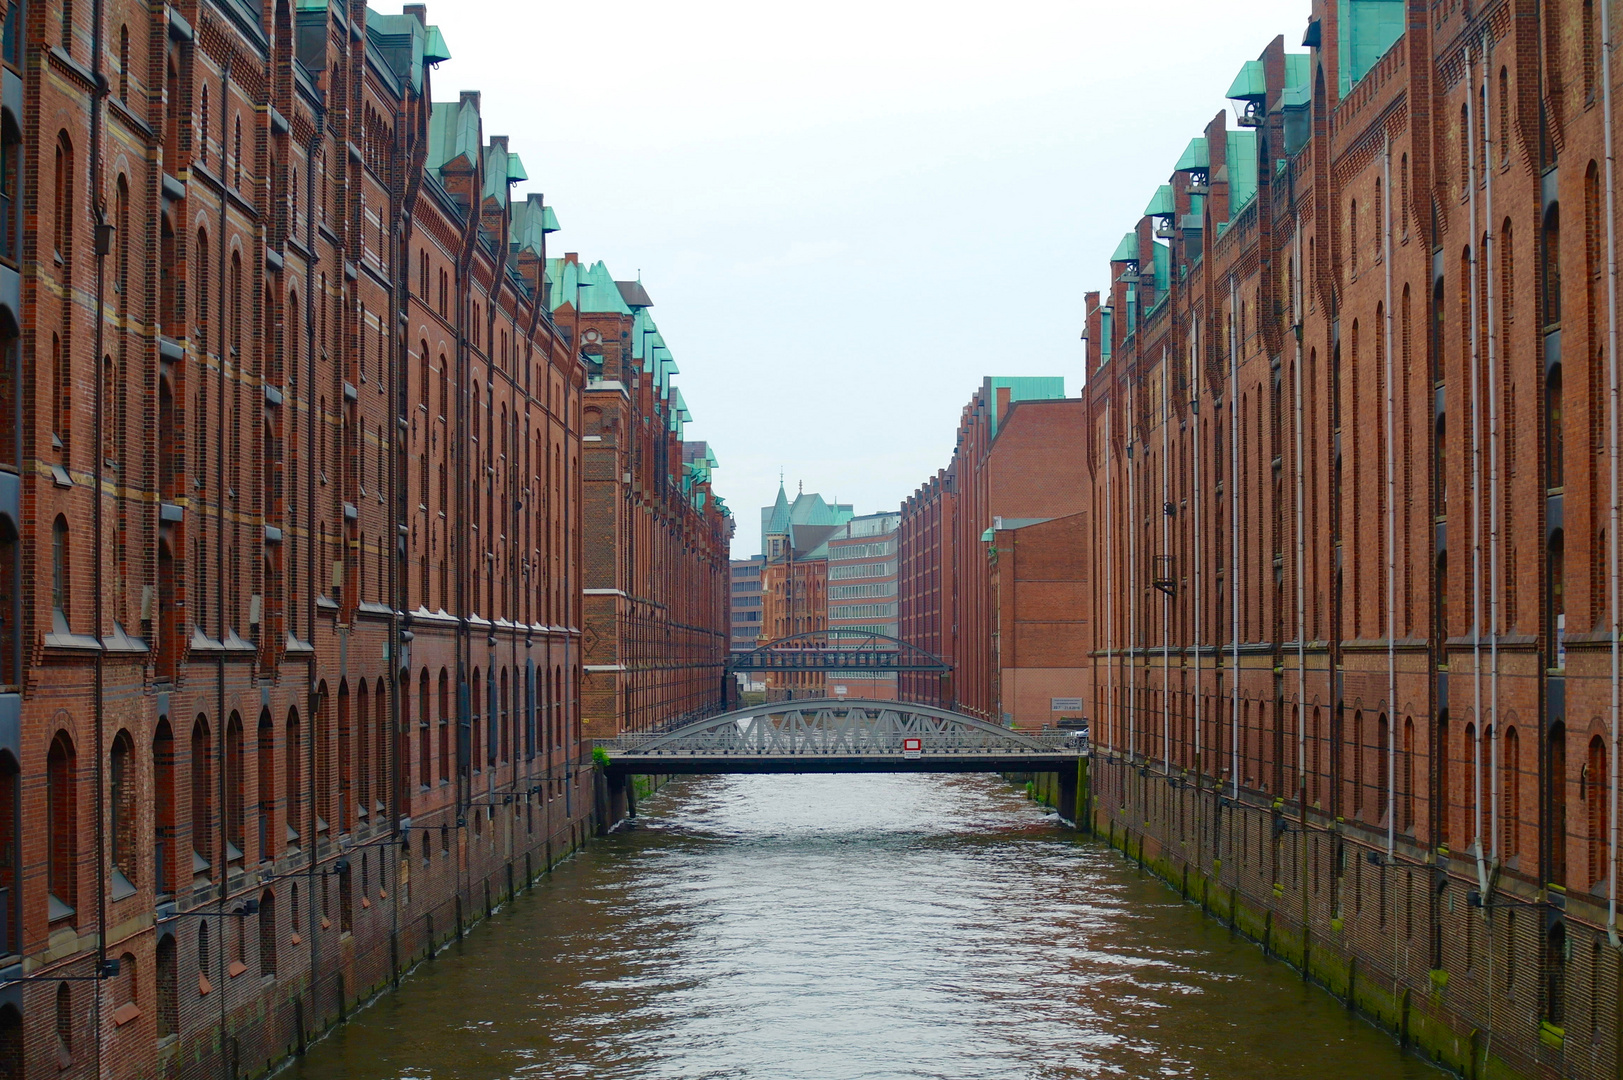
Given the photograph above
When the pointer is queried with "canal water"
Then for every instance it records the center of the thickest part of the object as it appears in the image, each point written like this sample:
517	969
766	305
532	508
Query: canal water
845	927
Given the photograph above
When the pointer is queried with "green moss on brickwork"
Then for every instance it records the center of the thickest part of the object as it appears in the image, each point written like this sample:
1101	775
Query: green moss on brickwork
1421	1032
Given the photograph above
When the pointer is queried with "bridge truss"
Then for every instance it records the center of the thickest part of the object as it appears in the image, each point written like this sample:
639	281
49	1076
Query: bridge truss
842	736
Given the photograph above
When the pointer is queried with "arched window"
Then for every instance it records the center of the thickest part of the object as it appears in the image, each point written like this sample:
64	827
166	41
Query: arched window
1465	149
424	768
203	129
168	988
201	310
62	828
64	1017
61	593
11	1020
444	726
1587	38
1556	800
1445	765
346	793
293	771
1555	975
476	755
1595	789
506	716
203	956
202	799
1352	251
1403	195
62	204
234	785
1504	115
321	784
1552	265
266	786
267	933
123	809
363	753
1510	790
380	747
1383	771
10	856
1408	774
163	811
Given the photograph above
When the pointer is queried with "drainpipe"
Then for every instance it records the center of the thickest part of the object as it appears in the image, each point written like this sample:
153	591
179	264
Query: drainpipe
1391	512
1613	449
222	342
1494	540
1301	539
1194	414
1234	547
1476	494
98	104
1166	597
1132	586
312	701
1110	577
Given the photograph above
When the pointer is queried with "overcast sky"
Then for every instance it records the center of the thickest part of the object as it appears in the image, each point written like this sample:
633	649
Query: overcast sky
847	213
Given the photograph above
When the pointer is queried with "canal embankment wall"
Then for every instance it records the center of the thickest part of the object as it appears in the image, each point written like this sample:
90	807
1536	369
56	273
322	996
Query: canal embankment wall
1251	867
443	882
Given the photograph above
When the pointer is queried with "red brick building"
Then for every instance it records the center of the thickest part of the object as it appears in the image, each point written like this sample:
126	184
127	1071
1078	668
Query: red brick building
1352	452
794	580
945	533
927	585
315	473
657	535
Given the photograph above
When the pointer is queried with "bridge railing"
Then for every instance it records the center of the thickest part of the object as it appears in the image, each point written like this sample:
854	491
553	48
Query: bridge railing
753	742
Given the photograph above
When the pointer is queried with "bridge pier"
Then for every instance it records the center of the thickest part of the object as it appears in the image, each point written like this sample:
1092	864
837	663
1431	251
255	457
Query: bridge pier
614	800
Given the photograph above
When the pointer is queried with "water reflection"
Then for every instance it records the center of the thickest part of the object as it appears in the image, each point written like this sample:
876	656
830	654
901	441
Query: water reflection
834	927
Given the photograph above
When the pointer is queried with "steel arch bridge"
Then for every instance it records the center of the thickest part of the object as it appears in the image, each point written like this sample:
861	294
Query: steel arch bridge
829	735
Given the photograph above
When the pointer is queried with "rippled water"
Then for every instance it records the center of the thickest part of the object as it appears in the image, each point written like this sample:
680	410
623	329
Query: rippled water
844	927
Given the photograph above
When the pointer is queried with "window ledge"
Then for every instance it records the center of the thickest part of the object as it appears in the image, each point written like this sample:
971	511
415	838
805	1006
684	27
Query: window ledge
121	886
125	1013
77	642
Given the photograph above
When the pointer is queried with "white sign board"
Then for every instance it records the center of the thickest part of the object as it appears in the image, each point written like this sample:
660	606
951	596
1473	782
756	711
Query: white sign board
912	748
1065	704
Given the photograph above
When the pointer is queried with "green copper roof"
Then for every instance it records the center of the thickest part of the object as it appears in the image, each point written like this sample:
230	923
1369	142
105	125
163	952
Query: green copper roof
600	294
1161	205
1242	166
589	290
498	173
529	218
453	133
1026	388
1127	250
1298	71
1366	29
435	50
401	40
549	220
1195	156
1250	84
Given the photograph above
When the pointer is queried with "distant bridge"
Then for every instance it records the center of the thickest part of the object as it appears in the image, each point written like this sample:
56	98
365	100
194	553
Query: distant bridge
838	650
841	735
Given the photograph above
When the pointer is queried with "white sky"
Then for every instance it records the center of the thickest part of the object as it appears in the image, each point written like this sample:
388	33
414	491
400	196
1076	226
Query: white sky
847	213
